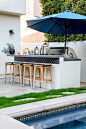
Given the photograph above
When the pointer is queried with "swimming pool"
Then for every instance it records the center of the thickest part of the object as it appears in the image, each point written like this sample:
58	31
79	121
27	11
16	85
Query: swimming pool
71	117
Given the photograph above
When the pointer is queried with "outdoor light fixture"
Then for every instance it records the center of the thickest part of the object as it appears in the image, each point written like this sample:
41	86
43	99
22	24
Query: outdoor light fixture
11	32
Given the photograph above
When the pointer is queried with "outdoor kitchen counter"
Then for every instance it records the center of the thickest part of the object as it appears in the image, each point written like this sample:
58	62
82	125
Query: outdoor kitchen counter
54	59
65	71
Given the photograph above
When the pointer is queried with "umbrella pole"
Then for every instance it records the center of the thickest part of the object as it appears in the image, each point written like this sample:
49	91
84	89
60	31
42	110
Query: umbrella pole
65	43
66	36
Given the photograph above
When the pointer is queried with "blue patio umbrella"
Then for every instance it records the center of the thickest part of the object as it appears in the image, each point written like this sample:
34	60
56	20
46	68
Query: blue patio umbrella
62	23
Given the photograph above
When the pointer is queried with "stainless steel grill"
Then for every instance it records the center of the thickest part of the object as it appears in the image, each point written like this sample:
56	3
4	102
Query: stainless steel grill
60	51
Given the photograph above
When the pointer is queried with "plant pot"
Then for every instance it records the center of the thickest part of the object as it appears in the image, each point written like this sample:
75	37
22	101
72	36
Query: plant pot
12	51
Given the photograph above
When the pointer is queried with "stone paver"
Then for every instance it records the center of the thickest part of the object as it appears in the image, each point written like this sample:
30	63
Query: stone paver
82	84
68	92
53	96
24	99
83	90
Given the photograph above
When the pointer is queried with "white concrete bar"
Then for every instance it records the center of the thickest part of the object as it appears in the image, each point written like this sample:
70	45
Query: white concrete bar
65	72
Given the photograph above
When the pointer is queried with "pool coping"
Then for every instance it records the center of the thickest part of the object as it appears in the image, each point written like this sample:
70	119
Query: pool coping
40	106
7	122
7	114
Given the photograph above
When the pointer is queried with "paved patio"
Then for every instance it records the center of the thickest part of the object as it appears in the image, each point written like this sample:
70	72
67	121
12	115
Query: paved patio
82	84
9	90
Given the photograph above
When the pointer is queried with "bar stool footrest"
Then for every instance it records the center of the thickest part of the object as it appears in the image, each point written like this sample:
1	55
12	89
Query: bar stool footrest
47	80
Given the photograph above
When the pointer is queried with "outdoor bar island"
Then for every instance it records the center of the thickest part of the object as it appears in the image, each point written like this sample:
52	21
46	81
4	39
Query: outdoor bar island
65	71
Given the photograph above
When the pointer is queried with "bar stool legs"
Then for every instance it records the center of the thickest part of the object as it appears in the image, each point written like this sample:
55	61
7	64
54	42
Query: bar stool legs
41	78
42	74
5	72
51	77
17	75
50	68
11	73
32	74
29	76
8	64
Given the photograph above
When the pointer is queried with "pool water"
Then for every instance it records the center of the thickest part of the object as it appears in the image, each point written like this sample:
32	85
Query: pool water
70	120
71	125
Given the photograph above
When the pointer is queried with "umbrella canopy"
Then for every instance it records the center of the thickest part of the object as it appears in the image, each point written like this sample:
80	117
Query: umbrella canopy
61	23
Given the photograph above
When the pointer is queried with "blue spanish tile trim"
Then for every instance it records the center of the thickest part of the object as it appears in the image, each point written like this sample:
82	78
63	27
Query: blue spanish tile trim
51	112
38	59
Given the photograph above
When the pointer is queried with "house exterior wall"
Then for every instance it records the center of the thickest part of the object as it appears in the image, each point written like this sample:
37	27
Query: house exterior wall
10	12
29	14
33	10
8	22
37	8
15	7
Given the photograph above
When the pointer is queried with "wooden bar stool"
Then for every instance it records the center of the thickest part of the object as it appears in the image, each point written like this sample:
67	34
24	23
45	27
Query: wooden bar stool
45	66
41	78
19	75
11	74
30	74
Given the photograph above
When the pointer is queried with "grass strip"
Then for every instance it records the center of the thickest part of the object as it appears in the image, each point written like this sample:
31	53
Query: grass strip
8	102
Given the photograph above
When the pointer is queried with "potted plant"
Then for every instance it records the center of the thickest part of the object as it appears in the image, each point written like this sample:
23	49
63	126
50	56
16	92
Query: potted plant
9	49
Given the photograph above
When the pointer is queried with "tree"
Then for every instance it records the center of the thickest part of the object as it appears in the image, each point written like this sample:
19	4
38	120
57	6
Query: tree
56	6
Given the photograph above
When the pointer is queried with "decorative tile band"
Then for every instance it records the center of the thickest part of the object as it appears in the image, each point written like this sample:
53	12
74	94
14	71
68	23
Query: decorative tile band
37	59
51	112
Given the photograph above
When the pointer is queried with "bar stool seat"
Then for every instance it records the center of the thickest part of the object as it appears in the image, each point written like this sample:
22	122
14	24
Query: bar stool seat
41	78
30	74
10	63
11	74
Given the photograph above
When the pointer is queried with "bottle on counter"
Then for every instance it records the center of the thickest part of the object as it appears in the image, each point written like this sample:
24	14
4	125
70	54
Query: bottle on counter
29	52
43	49
36	51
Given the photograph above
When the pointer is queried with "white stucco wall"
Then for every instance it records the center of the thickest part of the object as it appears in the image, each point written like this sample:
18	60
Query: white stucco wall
8	22
15	7
80	49
64	75
70	74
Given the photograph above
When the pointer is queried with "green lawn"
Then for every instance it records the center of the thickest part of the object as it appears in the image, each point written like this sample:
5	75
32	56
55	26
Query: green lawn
8	102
